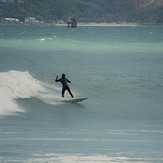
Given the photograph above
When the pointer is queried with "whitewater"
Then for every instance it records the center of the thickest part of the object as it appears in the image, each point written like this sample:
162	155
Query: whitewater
21	85
119	69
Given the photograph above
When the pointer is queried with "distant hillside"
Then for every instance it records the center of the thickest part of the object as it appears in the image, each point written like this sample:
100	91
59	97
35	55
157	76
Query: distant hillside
139	11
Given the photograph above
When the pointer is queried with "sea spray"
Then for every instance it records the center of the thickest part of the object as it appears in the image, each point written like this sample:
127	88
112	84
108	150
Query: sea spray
17	84
7	103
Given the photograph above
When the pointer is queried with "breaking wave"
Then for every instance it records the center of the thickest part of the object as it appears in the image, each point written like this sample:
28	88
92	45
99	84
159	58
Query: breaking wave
17	84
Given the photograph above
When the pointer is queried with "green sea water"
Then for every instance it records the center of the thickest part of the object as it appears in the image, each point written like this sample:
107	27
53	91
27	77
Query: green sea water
119	69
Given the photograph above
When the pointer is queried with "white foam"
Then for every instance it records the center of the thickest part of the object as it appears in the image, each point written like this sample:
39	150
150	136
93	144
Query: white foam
80	158
7	104
42	39
17	84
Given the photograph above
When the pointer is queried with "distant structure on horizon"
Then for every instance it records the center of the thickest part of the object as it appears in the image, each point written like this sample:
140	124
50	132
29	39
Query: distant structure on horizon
71	23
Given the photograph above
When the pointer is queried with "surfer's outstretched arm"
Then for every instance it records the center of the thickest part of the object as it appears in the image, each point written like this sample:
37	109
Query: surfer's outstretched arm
57	80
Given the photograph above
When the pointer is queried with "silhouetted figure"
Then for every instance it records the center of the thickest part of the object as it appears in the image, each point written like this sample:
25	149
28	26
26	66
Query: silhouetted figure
65	86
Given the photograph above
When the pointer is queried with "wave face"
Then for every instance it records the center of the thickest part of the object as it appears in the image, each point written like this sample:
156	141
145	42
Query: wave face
17	84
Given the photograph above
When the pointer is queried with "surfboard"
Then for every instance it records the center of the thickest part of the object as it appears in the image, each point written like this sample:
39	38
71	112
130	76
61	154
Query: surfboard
75	100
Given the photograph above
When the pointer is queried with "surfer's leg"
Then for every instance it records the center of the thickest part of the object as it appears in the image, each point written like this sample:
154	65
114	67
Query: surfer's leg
68	89
63	91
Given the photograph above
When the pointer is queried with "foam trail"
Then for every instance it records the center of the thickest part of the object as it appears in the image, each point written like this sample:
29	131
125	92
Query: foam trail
17	84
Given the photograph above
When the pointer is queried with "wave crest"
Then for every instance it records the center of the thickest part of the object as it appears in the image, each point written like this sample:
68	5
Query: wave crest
19	84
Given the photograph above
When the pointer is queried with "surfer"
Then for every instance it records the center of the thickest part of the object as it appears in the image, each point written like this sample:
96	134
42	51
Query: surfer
65	86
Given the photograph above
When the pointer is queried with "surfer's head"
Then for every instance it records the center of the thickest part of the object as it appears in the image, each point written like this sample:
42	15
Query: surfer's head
63	75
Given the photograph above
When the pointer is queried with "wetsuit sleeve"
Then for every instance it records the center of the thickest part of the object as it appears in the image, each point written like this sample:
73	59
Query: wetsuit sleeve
68	81
57	80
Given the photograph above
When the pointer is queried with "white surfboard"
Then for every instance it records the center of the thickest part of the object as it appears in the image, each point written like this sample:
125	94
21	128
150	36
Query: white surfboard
75	100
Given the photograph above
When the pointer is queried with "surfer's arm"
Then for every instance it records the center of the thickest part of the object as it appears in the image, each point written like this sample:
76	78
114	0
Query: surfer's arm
57	80
68	81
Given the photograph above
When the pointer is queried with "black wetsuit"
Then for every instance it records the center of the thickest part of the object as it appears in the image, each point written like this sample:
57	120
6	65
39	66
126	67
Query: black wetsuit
64	82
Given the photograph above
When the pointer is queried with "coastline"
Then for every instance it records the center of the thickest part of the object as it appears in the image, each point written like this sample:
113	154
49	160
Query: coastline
101	24
113	24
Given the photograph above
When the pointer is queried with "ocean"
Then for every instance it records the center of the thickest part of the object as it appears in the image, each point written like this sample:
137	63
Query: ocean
119	69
